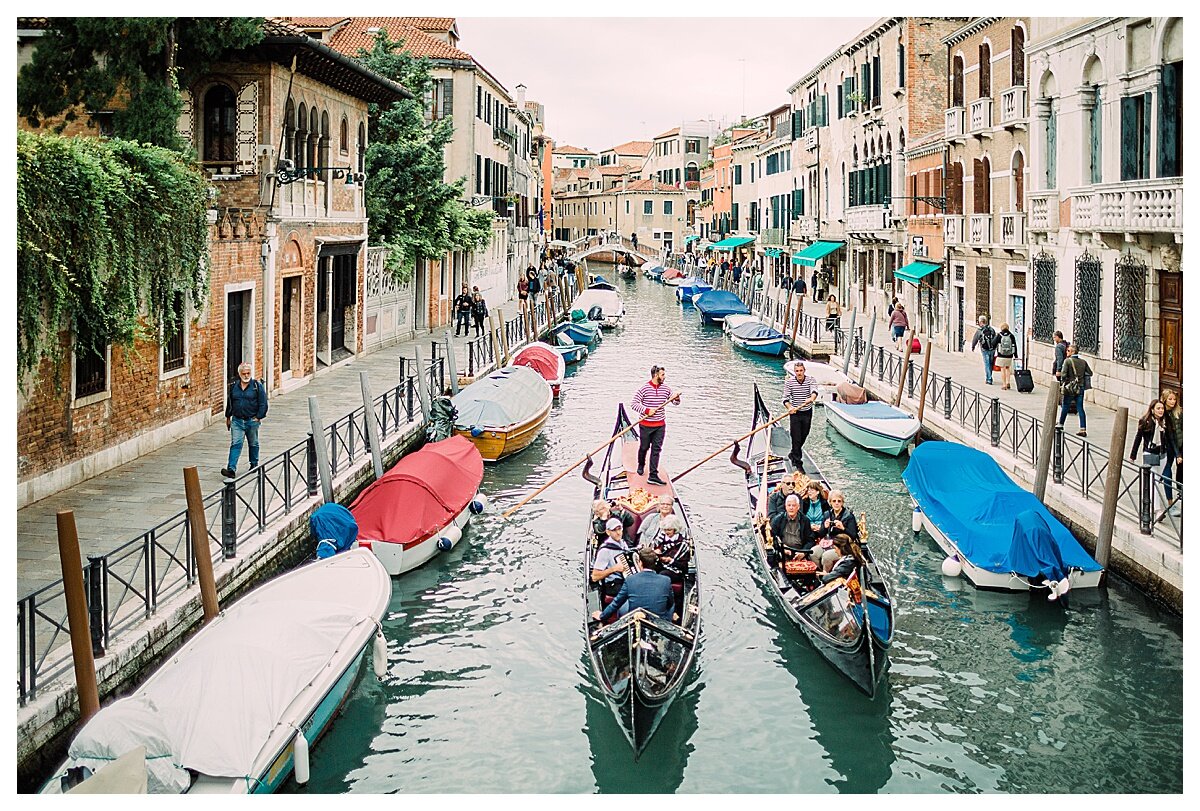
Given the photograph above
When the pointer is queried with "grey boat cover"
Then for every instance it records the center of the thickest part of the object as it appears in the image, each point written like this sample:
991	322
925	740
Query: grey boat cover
506	397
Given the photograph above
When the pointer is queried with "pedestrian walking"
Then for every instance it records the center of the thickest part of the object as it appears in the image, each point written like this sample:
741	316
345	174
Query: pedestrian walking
813	285
1076	379
799	394
800	288
535	284
523	293
898	322
462	312
1156	438
823	279
1006	353
633	239
650	403
1060	353
986	339
1174	409
478	311
833	313
892	306
245	409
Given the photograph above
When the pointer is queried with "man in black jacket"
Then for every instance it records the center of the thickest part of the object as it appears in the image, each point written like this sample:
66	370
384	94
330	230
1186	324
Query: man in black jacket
463	306
245	409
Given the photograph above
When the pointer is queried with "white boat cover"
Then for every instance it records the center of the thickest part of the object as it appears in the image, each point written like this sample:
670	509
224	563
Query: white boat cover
507	397
609	301
213	706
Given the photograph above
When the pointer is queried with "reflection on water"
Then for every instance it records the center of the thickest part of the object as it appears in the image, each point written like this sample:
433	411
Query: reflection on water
488	688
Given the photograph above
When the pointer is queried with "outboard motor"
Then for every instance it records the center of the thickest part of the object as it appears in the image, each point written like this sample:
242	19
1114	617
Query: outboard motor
442	415
596	313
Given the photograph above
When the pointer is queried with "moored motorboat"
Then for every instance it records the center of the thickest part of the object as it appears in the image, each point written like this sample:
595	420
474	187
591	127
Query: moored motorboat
421	505
730	322
653	271
240	704
755	336
874	425
717	305
604	297
849	621
504	412
641	661
580	331
689	288
571	352
998	533
544	360
672	276
825	377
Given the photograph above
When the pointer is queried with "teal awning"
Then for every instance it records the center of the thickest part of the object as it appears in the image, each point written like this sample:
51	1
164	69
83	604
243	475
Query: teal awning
814	252
689	239
773	252
914	272
731	242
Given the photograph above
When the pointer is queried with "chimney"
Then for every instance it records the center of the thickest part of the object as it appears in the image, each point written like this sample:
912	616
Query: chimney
520	97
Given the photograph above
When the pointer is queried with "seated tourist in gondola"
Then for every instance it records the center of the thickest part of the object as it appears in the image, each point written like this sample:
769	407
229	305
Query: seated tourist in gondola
847	560
840	518
649	529
609	567
602	511
645	588
793	533
673	553
814	505
786	486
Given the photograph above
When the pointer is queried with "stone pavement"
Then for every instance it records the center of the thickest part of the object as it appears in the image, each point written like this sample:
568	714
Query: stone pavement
121	504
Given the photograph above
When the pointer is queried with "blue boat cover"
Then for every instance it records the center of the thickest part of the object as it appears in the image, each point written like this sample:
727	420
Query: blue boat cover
722	303
874	410
333	522
996	524
756	330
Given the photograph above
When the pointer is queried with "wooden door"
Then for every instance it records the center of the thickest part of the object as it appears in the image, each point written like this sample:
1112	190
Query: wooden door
1170	327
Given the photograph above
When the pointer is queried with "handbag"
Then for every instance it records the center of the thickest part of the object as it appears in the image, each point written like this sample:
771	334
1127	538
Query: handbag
1151	459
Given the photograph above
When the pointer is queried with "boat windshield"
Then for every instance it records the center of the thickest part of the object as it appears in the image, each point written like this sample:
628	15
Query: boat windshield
836	616
613	657
662	662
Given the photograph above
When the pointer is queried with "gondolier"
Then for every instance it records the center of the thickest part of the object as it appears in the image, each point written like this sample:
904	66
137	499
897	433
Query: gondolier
799	394
650	402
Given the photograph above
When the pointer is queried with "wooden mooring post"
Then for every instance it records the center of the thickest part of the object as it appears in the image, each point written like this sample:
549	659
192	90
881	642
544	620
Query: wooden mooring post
1046	442
199	530
77	616
866	361
1112	486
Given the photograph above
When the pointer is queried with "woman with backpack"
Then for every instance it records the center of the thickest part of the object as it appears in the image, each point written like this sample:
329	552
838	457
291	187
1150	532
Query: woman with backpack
898	322
1156	438
1006	352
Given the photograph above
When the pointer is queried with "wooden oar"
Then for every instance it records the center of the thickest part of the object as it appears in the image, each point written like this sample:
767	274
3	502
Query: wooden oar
587	456
731	444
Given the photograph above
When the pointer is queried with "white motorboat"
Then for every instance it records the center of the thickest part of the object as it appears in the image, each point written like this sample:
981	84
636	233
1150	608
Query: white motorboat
824	376
874	425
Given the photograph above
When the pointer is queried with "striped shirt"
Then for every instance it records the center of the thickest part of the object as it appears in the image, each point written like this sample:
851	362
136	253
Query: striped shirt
796	392
652	398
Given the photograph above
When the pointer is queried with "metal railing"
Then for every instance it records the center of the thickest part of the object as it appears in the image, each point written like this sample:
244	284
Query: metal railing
125	586
1075	462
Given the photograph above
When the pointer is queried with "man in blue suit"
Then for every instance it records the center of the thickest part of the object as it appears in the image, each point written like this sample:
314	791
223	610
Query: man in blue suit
646	589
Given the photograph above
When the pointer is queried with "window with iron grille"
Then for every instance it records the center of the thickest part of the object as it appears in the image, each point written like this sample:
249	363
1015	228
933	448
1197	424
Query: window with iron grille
91	369
1086	327
1045	269
983	291
1129	322
174	354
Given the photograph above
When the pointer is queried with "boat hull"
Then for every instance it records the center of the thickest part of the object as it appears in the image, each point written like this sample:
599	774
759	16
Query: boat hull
869	434
585	336
768	346
496	444
399	558
572	354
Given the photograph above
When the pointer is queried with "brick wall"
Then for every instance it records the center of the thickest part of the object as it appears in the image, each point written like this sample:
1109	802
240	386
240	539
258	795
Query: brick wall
925	56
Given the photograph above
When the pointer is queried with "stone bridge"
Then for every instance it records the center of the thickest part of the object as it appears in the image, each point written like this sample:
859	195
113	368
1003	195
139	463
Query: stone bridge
584	247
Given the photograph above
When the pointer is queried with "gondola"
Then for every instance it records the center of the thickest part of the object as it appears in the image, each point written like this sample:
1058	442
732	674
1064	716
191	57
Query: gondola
831	616
641	662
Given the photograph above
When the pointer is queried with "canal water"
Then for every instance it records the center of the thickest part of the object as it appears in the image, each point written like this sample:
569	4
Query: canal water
488	687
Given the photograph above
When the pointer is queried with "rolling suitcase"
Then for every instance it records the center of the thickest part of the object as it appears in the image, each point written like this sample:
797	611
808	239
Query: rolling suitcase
1024	379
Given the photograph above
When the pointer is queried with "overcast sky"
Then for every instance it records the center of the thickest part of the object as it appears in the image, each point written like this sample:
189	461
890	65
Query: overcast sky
611	80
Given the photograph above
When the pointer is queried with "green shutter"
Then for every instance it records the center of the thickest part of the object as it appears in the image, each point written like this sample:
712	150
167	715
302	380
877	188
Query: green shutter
1129	145
876	79
1052	148
1097	117
825	110
1147	106
1168	120
866	85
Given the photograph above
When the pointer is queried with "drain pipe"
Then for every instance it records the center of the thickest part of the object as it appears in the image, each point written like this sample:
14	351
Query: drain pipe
267	370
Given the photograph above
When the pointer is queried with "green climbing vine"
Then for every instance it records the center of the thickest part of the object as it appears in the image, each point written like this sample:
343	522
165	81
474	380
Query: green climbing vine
108	233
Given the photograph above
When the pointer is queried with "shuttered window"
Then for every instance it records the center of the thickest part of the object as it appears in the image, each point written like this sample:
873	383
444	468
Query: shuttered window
957	83
876	81
985	70
1052	146
1095	133
1135	137
1170	121
1017	58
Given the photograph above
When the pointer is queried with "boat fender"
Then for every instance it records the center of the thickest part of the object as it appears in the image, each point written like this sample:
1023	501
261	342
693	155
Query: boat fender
916	520
479	503
449	537
476	431
952	566
379	655
300	757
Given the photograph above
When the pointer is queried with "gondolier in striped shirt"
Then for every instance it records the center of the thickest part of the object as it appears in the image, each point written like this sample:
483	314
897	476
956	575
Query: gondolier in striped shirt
650	403
799	394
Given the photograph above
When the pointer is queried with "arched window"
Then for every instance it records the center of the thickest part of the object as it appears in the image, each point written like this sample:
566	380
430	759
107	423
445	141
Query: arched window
288	148
323	148
1018	182
956	82
314	137
985	70
362	147
220	124
1017	56
344	137
301	143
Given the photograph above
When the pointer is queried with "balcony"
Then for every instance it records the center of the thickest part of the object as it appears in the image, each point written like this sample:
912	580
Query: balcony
1013	114
810	138
980	232
953	229
776	237
1043	210
1012	229
862	219
981	117
806	227
504	137
1134	206
955	123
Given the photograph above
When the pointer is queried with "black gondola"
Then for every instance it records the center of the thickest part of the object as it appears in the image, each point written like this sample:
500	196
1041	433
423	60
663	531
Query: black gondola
641	661
831	615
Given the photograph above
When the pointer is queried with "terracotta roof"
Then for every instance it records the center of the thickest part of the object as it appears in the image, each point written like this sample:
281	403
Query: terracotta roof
651	185
617	169
639	148
355	34
315	22
667	134
566	149
430	23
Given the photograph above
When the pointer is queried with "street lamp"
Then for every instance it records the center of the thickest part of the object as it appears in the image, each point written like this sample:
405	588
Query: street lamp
286	172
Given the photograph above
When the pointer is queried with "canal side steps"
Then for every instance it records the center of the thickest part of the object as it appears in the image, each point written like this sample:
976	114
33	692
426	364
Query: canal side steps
1151	562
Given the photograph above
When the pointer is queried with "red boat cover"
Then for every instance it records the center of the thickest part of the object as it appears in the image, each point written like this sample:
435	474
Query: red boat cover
420	494
672	273
542	359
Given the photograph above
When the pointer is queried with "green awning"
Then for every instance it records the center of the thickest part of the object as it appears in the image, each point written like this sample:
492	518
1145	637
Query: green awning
691	238
731	242
772	252
814	252
914	272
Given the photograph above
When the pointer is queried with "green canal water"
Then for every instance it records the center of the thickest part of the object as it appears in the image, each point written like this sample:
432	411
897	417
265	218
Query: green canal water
488	688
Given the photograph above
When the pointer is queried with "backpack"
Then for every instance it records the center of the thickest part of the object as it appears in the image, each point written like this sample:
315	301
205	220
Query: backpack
1007	345
988	338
